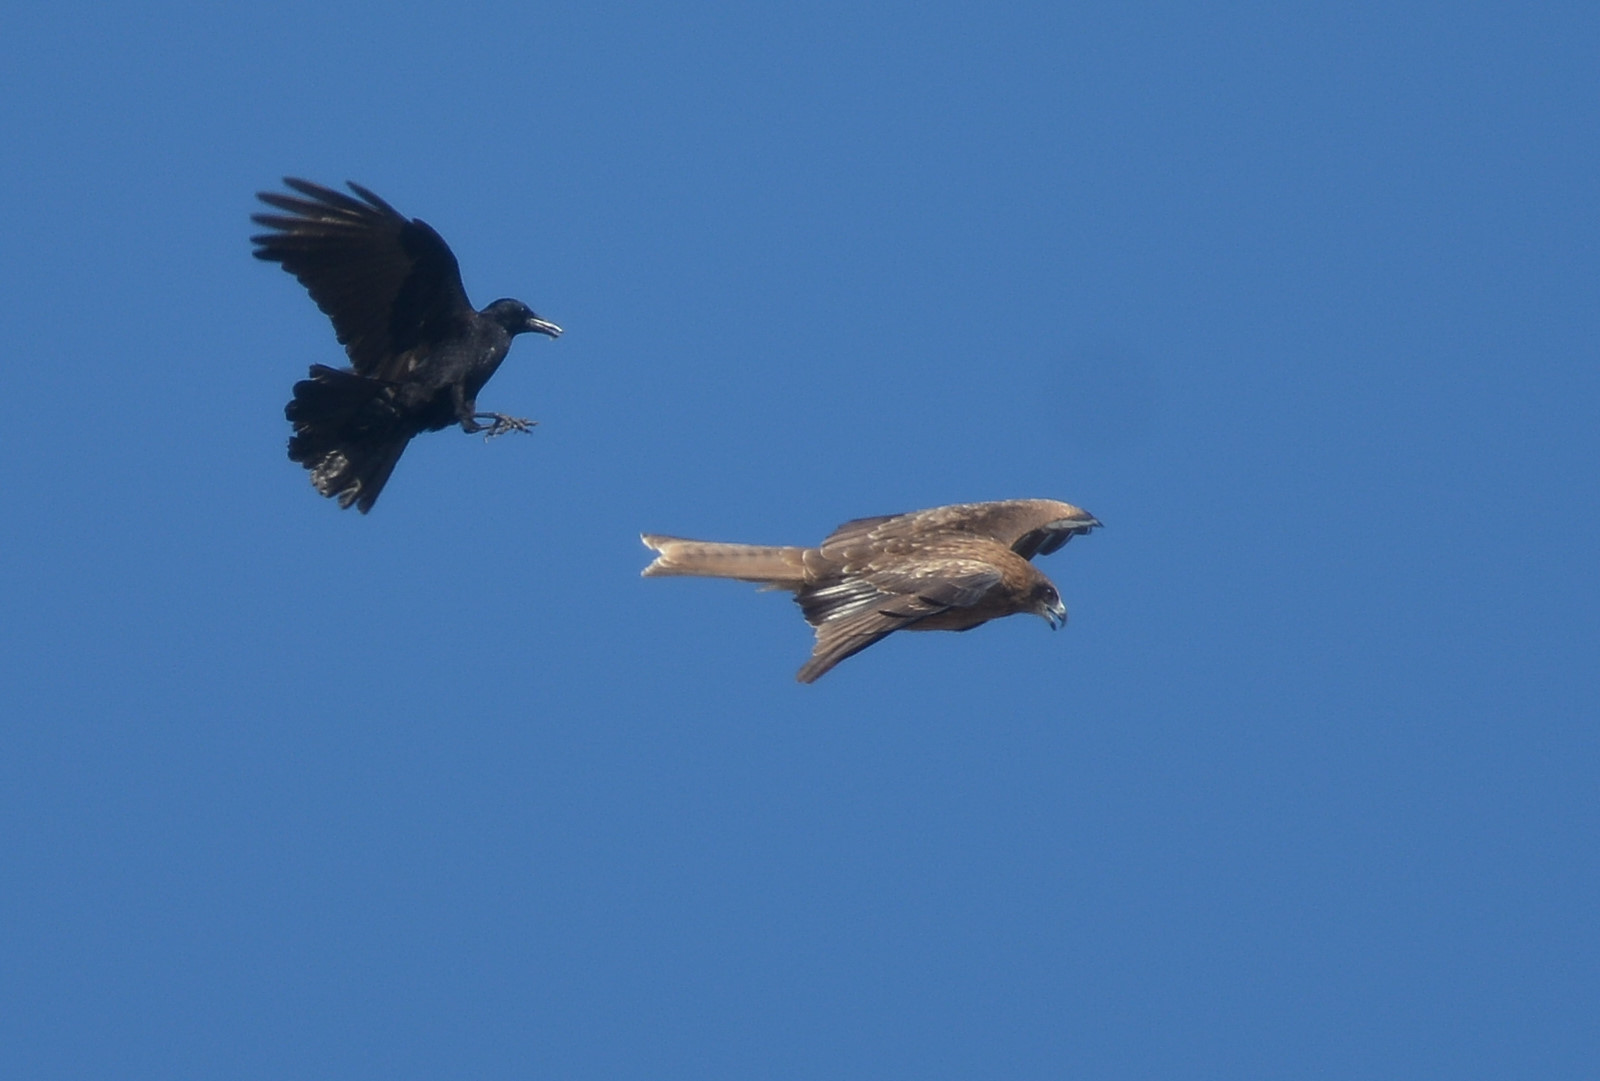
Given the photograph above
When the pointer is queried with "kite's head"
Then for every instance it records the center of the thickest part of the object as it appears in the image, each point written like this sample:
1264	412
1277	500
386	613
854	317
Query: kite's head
518	318
1047	605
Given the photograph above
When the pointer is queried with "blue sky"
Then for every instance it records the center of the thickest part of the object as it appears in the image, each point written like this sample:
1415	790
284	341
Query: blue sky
1301	303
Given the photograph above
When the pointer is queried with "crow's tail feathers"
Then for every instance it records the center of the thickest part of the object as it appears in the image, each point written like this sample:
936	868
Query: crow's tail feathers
357	472
347	433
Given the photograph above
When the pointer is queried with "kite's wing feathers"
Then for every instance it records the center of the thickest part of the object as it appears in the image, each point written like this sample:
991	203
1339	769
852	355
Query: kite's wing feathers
1044	539
1028	527
938	579
853	612
860	530
839	600
910	588
847	635
388	284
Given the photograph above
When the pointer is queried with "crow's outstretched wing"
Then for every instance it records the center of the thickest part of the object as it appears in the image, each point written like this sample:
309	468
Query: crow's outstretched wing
390	284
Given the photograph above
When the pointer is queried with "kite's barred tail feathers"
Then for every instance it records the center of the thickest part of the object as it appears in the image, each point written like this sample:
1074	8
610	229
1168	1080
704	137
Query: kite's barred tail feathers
781	567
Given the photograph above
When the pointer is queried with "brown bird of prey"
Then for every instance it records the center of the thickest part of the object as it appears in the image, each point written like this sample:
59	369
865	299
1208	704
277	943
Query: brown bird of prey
419	353
944	569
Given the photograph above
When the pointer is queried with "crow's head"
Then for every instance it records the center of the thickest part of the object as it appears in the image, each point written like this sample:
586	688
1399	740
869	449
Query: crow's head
518	318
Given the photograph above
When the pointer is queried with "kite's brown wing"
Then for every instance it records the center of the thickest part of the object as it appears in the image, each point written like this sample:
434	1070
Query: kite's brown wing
1045	528
389	284
1028	527
847	636
892	594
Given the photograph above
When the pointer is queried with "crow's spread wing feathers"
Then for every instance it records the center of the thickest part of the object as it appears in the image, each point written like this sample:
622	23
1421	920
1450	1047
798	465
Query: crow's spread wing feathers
390	285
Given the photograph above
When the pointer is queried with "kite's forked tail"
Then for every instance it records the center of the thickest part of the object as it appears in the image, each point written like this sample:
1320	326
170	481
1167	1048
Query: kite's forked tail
781	568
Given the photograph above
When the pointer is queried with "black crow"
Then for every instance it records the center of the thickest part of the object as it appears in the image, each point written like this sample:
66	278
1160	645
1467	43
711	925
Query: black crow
419	353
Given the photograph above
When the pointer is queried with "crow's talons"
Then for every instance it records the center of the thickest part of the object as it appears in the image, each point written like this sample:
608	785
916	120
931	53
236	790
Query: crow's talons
500	424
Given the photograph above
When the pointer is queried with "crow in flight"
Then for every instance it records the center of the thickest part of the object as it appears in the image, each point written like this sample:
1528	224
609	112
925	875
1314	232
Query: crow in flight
419	353
945	569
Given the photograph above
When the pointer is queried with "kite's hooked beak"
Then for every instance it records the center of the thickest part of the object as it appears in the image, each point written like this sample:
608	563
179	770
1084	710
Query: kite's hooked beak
1055	614
543	326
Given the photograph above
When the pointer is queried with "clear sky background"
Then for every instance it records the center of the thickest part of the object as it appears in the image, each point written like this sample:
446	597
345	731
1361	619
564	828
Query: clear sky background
1303	303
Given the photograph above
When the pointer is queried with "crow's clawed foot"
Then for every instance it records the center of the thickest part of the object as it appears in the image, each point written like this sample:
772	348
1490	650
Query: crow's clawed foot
500	424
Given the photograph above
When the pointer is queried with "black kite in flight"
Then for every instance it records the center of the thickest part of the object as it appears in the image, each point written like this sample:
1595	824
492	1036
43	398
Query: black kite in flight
419	353
945	569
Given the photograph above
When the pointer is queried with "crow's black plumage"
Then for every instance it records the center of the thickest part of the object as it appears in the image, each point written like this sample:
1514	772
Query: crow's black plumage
419	353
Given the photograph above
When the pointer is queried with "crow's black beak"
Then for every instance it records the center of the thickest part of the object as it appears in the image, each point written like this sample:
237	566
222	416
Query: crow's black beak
543	326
